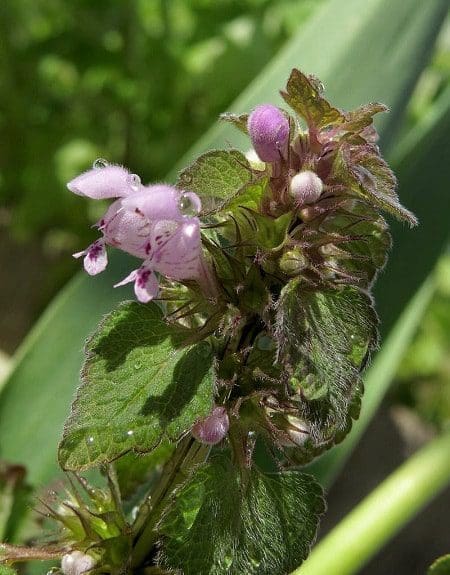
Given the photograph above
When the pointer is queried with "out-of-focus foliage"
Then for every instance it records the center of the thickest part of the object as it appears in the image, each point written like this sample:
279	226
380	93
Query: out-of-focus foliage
423	381
136	82
424	377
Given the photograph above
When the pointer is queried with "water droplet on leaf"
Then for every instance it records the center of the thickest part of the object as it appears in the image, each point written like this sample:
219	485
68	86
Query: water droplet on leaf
187	206
265	343
100	163
90	439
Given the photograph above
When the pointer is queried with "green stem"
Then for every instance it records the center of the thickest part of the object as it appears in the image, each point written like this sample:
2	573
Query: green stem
187	455
384	512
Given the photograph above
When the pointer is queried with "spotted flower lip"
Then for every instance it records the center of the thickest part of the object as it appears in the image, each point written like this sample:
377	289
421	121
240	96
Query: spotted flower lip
156	223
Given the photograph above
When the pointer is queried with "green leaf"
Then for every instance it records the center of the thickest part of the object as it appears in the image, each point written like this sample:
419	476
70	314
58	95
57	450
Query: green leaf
440	567
138	388
217	174
359	243
304	97
7	570
238	120
325	337
222	521
369	176
137	469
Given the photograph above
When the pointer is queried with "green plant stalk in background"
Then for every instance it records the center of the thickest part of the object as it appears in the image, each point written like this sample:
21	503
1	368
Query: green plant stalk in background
384	512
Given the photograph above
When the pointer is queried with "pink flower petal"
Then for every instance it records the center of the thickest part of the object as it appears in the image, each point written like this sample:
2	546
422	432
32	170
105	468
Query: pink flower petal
146	285
179	258
127	230
159	202
96	258
99	183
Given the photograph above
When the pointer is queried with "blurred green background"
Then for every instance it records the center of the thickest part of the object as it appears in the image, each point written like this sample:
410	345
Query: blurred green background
138	83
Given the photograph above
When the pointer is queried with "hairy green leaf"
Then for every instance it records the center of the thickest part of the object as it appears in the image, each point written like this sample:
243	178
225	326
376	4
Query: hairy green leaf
359	242
303	95
137	469
238	120
222	521
138	388
369	176
326	337
217	174
440	567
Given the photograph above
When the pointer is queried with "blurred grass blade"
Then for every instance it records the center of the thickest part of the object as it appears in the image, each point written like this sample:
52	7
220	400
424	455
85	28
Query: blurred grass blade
363	52
383	513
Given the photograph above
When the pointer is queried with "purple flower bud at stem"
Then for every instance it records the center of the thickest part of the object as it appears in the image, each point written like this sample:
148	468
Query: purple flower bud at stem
306	188
268	129
76	563
212	428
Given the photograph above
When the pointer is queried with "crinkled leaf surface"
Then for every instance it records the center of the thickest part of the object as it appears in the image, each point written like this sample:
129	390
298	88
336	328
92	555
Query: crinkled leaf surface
369	176
224	522
326	337
138	387
218	174
359	241
440	567
304	97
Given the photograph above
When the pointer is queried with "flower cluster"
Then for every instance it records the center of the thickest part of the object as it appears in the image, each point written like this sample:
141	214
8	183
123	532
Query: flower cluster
155	223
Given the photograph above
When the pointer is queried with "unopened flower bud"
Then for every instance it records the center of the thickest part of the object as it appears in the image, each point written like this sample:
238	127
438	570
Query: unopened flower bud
268	129
212	428
76	563
305	188
297	429
293	262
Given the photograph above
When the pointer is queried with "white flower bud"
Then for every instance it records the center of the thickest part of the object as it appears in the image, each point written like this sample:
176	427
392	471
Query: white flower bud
76	563
306	188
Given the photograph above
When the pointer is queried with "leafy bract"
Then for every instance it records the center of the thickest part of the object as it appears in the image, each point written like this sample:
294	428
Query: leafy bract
238	120
369	176
358	242
325	338
222	521
138	387
304	97
217	174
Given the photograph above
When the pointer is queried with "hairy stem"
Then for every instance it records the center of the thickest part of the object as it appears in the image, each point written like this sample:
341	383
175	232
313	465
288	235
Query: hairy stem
188	454
384	512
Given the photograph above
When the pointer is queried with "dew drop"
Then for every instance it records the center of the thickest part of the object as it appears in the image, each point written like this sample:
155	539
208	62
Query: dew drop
130	432
265	343
90	439
134	181
187	205
137	365
255	562
187	179
100	163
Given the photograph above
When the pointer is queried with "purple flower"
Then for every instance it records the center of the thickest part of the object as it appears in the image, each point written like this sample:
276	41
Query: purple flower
213	428
157	224
268	128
